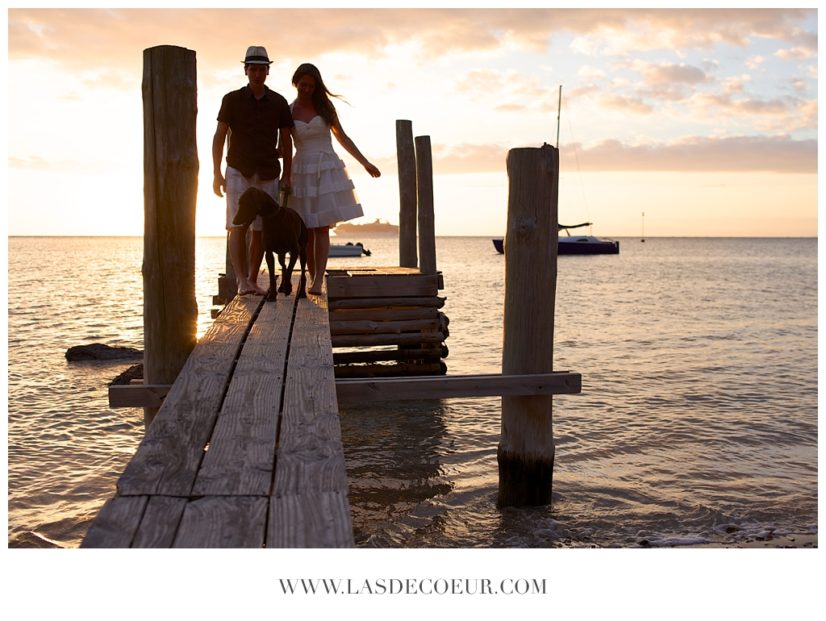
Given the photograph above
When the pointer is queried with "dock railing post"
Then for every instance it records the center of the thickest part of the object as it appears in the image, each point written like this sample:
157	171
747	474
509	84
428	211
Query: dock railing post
424	186
526	447
406	156
227	283
170	311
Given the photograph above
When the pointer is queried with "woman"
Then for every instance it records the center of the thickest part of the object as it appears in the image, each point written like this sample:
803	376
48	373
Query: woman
322	193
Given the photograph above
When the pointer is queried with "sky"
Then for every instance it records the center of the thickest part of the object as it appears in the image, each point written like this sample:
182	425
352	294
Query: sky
704	120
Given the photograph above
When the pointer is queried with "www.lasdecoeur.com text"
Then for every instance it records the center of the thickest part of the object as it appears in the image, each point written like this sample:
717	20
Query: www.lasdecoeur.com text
412	586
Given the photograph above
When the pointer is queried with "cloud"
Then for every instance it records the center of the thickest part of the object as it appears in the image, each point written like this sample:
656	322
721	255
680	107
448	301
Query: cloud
625	104
588	73
735	84
754	62
736	154
734	103
530	92
113	38
637	30
86	167
668	73
796	53
779	154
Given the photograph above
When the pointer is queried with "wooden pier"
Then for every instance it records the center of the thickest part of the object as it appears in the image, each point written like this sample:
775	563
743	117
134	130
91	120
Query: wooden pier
245	450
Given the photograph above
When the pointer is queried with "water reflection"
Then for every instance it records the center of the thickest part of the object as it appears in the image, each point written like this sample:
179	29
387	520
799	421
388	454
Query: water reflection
392	453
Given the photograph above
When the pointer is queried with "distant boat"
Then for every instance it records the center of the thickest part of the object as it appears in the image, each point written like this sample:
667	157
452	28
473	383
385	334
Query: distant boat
642	237
348	250
584	244
573	244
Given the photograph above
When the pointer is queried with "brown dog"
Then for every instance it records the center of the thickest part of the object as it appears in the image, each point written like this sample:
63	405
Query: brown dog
283	231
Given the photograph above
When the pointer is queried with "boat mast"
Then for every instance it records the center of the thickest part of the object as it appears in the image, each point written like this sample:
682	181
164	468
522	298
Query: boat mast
558	110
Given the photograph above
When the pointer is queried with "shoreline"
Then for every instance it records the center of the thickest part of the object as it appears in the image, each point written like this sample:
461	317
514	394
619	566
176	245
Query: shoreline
780	541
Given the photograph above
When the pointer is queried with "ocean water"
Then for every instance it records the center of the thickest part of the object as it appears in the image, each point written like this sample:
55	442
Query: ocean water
697	421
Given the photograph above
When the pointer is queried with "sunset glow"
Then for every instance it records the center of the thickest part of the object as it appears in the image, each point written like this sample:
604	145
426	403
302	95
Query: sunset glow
706	120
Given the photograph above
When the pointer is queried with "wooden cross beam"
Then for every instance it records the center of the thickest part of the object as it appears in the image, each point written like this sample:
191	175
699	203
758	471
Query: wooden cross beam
361	390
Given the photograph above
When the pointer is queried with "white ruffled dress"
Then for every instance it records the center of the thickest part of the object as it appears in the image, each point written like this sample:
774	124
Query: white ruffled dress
322	192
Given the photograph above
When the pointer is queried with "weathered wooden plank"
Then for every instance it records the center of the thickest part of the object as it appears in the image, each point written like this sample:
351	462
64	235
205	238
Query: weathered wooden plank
167	459
314	520
355	340
310	456
160	522
391	389
387	313
382	285
310	397
223	522
241	454
367	326
395	301
391	370
116	523
317	467
430	353
137	395
373	270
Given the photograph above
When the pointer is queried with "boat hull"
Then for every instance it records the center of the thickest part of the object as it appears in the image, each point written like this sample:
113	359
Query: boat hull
347	250
602	246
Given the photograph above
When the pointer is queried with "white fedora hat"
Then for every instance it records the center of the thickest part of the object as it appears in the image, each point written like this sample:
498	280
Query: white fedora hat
257	55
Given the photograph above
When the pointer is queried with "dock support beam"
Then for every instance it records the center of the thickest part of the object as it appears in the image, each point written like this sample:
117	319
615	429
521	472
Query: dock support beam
170	312
424	187
406	156
526	448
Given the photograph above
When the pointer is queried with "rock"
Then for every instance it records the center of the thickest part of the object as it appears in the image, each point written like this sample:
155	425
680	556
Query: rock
98	351
133	372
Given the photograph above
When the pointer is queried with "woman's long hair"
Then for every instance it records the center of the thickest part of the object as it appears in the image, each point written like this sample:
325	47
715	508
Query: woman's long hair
321	95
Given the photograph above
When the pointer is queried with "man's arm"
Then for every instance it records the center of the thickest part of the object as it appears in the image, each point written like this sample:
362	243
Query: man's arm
286	147
218	181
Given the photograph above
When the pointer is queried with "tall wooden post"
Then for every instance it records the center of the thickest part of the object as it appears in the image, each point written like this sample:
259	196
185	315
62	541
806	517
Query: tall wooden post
406	156
526	447
170	163
424	186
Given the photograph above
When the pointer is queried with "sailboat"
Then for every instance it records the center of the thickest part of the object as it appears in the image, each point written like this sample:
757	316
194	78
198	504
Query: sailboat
642	238
348	250
571	244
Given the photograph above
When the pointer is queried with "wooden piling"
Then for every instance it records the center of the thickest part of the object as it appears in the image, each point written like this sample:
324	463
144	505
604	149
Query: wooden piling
406	155
526	448
227	282
424	186
170	188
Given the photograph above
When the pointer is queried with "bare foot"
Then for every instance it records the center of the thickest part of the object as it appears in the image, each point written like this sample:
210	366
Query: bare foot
247	288
253	288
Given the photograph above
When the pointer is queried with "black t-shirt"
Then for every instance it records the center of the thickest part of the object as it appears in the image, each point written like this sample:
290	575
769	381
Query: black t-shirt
254	125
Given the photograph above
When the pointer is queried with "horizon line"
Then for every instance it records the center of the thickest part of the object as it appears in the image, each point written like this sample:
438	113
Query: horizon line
478	236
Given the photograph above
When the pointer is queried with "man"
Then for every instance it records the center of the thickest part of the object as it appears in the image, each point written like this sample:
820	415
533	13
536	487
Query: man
254	117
